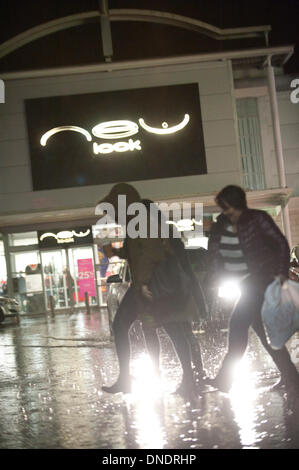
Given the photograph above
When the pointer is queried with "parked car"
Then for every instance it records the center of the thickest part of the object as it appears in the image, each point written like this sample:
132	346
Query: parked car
9	308
118	285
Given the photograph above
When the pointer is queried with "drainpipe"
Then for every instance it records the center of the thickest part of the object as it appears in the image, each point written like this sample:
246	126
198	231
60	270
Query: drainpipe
278	147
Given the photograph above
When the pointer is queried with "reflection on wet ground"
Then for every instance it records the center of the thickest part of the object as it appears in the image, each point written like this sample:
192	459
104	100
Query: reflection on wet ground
51	375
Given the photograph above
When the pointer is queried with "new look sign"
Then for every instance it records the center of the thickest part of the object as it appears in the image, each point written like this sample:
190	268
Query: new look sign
126	135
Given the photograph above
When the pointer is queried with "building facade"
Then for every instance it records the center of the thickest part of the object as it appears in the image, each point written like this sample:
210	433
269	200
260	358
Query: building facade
237	141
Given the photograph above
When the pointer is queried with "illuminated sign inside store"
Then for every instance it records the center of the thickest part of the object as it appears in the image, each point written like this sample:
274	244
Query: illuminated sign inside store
108	137
65	236
78	236
185	225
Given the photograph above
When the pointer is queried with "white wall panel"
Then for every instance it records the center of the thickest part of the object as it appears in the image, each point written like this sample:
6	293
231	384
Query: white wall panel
13	127
290	136
15	179
216	107
222	159
14	152
214	80
219	133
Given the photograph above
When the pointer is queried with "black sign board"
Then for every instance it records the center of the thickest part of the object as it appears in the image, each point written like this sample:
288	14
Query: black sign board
126	135
65	238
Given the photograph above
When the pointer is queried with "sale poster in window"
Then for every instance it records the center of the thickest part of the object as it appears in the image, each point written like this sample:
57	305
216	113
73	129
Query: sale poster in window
86	277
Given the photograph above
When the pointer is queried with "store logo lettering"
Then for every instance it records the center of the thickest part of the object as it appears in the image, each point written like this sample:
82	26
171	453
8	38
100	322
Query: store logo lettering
118	147
116	130
66	236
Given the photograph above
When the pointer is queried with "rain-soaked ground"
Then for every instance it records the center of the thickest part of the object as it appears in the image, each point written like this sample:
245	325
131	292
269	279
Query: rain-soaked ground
52	370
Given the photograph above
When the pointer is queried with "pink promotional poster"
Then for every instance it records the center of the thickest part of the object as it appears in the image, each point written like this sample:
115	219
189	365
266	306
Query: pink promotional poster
86	277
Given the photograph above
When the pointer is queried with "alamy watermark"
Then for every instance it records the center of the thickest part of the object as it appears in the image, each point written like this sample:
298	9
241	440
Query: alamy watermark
295	93
2	91
150	221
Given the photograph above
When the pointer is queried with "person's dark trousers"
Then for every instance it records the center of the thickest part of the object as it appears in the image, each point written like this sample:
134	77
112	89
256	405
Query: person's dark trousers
184	341
125	316
178	332
247	312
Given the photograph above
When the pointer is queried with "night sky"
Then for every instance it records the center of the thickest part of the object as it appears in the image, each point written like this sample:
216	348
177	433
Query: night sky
138	40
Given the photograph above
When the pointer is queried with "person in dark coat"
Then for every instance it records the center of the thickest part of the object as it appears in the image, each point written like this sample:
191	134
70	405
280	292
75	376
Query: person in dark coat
144	255
246	245
179	325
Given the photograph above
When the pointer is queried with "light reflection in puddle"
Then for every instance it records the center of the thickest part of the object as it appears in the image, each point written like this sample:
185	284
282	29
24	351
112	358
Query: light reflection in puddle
146	399
243	395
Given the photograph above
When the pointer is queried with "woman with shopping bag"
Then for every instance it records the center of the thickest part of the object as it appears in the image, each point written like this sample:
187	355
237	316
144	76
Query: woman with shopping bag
246	244
280	312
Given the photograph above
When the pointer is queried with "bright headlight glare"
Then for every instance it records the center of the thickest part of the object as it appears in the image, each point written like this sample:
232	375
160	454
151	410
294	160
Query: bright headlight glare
229	290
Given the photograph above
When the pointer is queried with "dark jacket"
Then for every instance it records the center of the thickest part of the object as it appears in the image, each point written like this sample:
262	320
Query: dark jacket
196	287
143	254
265	248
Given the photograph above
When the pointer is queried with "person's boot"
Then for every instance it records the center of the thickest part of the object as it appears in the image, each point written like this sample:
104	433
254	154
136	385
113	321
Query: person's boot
279	385
224	379
188	389
292	387
122	385
200	380
220	383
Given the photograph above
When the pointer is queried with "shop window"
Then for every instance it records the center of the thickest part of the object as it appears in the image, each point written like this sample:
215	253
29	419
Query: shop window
27	281
250	144
23	239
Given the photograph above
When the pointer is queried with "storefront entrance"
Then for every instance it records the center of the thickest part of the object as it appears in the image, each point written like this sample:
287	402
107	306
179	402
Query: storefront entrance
67	275
61	266
60	272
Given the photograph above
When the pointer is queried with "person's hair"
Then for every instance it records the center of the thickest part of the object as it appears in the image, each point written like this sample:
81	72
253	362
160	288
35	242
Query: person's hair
235	196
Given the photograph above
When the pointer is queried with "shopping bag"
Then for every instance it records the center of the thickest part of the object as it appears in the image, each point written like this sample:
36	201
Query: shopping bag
280	312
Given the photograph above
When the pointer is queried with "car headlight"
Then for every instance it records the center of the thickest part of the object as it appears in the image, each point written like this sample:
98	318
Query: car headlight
229	290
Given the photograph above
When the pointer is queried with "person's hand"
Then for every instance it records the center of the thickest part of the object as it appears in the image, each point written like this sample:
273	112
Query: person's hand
146	292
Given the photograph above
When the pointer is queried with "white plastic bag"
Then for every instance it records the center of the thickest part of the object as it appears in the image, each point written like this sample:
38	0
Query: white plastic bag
280	312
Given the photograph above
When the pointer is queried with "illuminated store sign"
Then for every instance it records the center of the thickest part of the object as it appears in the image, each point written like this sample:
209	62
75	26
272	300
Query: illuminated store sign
165	129
116	130
78	236
114	136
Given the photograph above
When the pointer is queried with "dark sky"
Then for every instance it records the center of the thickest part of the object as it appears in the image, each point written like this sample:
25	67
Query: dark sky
82	45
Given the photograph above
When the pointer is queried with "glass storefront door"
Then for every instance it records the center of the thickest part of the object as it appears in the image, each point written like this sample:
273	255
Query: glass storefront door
55	279
68	274
64	274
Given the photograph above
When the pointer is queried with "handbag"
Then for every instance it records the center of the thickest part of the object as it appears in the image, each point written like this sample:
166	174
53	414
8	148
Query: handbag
280	312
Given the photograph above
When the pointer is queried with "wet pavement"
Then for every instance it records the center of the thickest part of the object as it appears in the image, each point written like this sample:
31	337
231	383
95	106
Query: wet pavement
51	374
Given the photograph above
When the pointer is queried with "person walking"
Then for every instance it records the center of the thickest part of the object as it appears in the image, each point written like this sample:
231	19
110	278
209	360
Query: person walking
177	323
144	255
247	245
